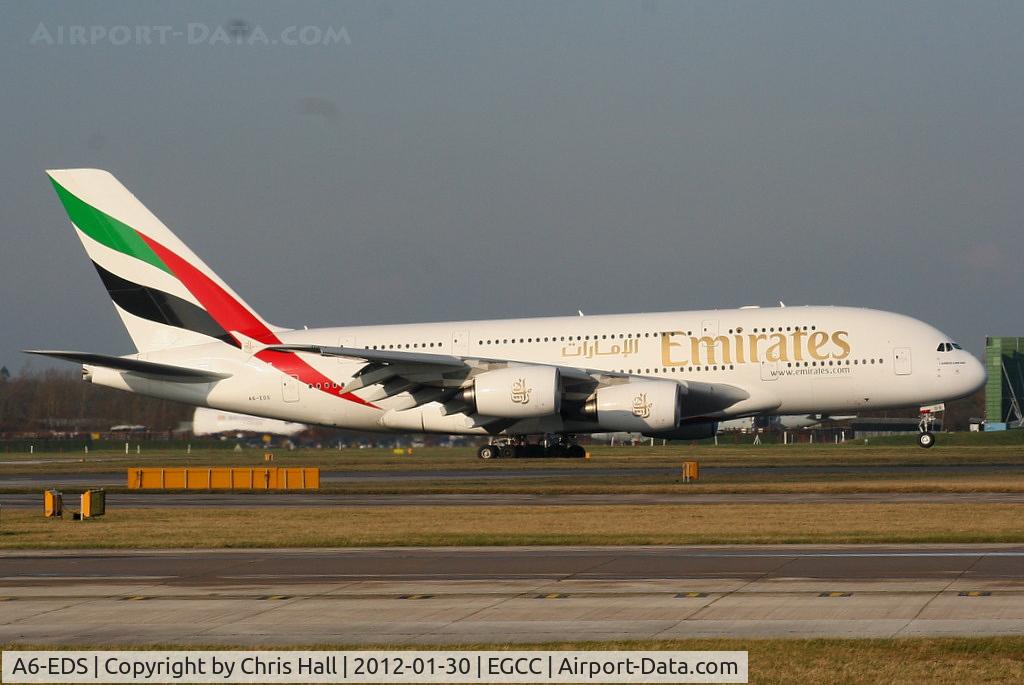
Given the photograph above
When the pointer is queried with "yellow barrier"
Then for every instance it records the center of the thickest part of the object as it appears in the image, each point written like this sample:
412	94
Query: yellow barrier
691	471
225	478
94	503
53	504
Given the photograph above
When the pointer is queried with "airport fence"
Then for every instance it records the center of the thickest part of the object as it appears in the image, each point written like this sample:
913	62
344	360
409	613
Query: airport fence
105	442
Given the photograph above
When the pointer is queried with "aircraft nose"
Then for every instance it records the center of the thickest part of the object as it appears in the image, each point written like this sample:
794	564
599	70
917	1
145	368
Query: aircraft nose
973	376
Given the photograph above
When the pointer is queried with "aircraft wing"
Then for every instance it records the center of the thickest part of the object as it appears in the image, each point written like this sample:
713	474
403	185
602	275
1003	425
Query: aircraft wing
163	371
427	377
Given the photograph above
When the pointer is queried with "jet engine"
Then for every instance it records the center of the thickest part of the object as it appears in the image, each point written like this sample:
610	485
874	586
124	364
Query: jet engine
516	392
637	406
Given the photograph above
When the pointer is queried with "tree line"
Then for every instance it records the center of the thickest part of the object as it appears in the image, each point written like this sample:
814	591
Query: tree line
57	400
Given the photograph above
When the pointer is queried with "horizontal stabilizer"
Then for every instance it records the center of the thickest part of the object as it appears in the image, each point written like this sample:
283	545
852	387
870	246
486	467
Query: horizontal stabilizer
166	371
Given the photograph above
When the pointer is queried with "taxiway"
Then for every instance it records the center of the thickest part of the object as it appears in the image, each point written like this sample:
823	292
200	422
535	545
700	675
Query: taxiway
507	595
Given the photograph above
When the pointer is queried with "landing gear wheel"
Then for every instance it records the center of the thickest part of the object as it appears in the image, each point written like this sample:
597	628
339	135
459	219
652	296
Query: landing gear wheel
487	452
925	440
575	451
555	451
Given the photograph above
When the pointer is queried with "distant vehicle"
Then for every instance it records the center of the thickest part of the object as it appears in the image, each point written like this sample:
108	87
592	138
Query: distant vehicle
668	375
745	425
129	428
208	421
786	422
618	438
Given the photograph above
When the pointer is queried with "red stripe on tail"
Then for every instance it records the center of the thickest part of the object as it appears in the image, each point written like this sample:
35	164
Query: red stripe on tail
233	316
226	310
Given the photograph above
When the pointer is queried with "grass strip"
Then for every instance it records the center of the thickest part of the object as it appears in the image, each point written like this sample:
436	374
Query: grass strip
1010	483
668	524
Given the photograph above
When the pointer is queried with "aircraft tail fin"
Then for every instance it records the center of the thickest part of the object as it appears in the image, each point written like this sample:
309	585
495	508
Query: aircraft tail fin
166	296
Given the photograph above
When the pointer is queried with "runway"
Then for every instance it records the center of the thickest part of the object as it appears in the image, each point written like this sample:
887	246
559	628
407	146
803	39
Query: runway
161	500
507	595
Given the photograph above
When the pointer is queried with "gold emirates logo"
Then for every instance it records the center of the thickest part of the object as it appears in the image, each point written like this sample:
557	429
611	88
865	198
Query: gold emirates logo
680	349
520	393
641	407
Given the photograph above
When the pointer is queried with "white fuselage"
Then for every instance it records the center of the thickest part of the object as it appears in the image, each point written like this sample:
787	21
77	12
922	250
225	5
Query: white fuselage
790	360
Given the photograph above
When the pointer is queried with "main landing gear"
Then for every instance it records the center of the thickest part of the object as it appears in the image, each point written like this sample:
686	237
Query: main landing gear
517	447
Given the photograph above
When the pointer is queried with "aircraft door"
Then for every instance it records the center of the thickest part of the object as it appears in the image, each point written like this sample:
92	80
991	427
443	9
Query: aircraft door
290	388
769	371
901	361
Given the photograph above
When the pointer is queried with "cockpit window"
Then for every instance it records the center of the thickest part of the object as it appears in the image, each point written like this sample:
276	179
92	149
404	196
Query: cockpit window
957	346
947	347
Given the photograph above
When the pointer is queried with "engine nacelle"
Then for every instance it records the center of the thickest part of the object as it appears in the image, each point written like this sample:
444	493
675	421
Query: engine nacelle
516	392
637	406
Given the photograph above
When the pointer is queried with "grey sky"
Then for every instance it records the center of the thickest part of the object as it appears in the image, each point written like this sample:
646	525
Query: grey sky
479	160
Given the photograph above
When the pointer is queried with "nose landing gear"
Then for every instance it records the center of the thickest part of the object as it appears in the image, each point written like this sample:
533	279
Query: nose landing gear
926	438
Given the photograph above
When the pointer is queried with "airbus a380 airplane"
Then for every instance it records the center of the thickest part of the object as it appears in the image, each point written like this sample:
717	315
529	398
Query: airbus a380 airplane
669	375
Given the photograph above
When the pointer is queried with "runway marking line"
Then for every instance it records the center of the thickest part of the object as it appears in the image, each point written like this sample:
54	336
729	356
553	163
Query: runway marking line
552	595
272	597
975	593
415	596
835	594
691	594
136	598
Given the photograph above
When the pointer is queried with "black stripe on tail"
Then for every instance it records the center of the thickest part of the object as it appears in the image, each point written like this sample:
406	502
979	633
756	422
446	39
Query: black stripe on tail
156	305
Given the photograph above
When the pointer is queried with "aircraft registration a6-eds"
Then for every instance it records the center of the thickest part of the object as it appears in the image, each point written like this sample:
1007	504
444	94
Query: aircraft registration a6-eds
669	375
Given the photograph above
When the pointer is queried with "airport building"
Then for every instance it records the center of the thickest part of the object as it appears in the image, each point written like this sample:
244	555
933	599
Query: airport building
1004	390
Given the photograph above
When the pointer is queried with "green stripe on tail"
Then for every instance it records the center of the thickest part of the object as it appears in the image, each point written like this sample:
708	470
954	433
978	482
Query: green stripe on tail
106	229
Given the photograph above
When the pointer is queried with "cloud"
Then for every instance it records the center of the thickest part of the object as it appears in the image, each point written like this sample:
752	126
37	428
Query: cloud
320	107
986	257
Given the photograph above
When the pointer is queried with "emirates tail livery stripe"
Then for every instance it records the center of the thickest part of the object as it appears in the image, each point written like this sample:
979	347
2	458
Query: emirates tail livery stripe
219	304
222	307
105	229
234	317
156	305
